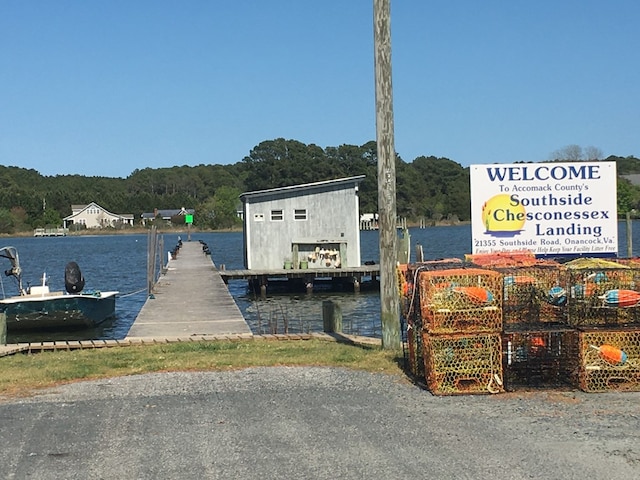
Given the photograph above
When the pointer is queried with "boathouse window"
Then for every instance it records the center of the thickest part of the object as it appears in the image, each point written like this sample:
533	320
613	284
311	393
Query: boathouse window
277	215
258	217
300	214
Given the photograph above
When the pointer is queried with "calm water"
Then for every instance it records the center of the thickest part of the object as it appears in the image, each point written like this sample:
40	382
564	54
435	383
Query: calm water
118	262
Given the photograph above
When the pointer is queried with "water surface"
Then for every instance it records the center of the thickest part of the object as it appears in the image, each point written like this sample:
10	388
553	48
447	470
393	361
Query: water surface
119	262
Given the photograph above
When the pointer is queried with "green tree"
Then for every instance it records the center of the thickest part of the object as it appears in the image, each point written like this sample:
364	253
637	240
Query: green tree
205	215
219	211
353	160
20	219
7	221
426	187
280	162
50	218
435	188
628	196
226	207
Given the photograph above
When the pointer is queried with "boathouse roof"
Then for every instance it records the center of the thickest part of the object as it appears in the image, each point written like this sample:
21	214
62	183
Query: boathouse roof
294	189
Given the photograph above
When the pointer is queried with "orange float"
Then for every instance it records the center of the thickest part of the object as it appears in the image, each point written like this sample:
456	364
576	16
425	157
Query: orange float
611	354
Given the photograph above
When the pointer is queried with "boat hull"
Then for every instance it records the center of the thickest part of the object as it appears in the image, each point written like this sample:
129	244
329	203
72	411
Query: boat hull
58	311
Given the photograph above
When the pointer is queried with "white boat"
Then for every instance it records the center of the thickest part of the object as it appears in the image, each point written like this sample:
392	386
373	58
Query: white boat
37	308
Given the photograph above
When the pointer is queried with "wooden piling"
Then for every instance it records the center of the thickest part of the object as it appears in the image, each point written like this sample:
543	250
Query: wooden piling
3	328
404	246
629	236
389	298
331	317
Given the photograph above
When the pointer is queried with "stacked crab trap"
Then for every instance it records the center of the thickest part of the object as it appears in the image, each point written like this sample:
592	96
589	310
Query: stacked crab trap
507	322
454	320
604	306
540	347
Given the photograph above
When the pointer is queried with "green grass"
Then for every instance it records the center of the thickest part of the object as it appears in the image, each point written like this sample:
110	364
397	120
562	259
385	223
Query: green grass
22	374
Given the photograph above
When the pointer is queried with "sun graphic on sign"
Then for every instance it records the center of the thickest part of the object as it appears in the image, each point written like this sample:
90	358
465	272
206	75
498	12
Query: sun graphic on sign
500	216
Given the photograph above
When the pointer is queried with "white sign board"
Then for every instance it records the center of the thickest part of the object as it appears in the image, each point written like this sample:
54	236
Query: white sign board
552	209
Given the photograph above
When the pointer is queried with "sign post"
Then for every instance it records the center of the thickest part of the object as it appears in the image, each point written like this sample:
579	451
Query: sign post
188	219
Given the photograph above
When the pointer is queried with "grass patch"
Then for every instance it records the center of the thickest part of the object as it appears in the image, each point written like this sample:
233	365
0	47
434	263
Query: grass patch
21	374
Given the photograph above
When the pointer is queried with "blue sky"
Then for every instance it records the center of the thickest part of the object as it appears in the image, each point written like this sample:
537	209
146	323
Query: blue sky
101	88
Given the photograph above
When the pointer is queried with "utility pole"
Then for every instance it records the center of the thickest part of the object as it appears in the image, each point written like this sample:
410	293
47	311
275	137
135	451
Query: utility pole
389	301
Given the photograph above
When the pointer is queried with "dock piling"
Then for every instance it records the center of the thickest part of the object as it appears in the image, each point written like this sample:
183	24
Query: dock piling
331	317
3	328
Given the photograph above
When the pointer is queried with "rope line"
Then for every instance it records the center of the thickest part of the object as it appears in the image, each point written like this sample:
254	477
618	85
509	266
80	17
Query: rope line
132	293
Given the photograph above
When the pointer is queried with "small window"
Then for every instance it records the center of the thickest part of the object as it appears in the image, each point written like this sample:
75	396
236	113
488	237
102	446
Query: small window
258	217
277	215
300	214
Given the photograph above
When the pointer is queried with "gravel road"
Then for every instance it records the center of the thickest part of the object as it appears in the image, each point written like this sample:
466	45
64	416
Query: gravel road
315	423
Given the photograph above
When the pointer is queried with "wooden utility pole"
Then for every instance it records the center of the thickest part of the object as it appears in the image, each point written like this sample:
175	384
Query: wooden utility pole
389	301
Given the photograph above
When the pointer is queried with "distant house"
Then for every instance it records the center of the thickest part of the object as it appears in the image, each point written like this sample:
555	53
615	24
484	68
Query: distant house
165	215
94	216
314	225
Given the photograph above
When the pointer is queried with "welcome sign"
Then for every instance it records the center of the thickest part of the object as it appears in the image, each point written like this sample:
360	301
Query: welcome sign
549	208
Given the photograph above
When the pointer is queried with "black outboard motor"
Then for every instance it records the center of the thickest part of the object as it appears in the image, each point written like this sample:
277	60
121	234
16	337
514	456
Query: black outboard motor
73	279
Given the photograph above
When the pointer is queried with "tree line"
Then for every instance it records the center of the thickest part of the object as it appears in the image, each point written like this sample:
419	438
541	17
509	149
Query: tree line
429	189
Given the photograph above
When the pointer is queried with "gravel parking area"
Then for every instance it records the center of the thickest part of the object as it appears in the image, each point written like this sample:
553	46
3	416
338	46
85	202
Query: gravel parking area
321	423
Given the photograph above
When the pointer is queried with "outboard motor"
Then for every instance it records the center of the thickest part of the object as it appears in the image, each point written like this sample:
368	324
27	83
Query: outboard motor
73	279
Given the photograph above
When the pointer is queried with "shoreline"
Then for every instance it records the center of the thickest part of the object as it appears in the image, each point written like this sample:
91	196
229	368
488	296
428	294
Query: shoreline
182	231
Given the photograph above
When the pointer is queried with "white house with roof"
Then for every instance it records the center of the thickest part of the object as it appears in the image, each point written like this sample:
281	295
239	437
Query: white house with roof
313	225
95	216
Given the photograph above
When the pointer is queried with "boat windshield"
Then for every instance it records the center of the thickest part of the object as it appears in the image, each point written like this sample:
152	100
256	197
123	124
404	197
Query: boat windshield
15	271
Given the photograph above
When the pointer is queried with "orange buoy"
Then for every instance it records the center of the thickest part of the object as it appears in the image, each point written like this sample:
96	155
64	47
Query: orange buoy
538	342
519	280
611	354
621	298
475	294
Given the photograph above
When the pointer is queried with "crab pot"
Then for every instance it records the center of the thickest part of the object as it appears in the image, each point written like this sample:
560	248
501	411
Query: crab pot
406	275
502	259
411	314
462	364
405	287
539	359
603	296
534	295
413	339
412	323
461	301
414	359
609	359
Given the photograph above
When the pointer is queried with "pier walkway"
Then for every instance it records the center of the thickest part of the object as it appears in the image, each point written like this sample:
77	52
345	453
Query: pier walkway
189	300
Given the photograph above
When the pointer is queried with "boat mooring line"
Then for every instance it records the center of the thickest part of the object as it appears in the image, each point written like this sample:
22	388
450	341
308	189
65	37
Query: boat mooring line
132	293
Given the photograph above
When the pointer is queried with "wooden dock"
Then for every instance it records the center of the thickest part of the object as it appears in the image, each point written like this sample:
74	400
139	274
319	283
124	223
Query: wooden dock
360	272
189	300
50	232
308	276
